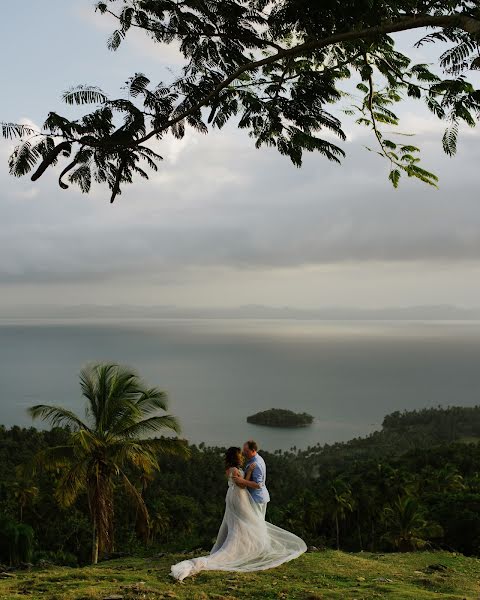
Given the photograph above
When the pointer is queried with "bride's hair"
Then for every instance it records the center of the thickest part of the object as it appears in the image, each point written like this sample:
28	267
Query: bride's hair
233	457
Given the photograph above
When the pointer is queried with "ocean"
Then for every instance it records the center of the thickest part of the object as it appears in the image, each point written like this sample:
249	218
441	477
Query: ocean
347	374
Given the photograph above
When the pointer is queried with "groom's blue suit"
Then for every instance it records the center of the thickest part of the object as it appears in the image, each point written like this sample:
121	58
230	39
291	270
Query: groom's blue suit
259	495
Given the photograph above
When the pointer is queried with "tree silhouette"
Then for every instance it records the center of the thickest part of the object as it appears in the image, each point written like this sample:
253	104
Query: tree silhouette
277	68
120	411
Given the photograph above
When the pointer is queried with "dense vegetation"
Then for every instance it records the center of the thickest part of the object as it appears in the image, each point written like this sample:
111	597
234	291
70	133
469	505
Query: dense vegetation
280	417
414	484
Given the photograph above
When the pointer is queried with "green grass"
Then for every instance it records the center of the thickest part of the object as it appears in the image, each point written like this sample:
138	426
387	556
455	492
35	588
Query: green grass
324	575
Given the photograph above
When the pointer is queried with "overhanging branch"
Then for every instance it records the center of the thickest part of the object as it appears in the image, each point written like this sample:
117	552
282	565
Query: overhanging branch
464	22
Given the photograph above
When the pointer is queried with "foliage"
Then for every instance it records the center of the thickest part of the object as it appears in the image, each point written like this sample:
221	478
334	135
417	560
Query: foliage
384	492
405	524
341	502
16	541
278	69
280	417
120	411
440	424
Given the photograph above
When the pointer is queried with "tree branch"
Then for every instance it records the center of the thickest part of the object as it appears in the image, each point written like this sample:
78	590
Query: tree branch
469	24
49	159
68	168
251	37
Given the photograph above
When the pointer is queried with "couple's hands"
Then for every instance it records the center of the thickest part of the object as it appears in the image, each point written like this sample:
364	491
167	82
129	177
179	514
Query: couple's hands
239	480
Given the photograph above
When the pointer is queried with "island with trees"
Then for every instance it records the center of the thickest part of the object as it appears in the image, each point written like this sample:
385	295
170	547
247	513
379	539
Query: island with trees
280	417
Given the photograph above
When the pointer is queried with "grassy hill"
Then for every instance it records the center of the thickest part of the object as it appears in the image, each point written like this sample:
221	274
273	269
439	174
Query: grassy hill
325	575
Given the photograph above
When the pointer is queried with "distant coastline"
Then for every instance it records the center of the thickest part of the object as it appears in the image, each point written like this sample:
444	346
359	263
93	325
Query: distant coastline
91	311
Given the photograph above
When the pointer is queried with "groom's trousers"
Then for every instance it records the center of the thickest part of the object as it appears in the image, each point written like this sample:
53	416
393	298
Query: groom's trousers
261	508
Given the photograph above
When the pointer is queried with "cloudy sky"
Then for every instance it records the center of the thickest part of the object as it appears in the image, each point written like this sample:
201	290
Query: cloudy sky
222	224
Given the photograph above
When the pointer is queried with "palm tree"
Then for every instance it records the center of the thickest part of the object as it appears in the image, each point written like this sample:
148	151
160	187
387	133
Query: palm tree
120	412
341	503
406	526
447	479
25	493
16	541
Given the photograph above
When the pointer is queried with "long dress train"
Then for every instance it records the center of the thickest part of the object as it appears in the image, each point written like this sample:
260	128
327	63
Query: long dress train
245	541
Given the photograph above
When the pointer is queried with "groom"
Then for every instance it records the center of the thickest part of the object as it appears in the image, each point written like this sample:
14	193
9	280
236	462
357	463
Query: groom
256	485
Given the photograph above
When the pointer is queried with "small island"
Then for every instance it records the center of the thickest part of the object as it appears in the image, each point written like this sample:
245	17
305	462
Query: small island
280	417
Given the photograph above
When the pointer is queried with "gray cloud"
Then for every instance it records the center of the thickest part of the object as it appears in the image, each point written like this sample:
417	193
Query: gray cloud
222	203
217	203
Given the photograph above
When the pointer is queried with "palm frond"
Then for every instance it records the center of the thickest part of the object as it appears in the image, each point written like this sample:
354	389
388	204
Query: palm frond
57	416
168	446
55	457
87	441
152	399
94	382
120	401
152	425
134	453
71	484
88	385
142	458
136	497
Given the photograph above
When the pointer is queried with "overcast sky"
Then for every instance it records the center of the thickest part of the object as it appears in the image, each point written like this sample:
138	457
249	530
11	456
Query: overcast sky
222	224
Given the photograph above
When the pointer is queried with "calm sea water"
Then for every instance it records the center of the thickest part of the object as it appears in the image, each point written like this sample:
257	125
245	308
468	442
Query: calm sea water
217	372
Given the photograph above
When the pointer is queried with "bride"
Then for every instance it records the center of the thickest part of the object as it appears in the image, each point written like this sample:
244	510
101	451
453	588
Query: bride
245	541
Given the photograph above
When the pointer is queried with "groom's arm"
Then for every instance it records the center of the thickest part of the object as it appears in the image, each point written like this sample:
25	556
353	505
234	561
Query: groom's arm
245	483
255	479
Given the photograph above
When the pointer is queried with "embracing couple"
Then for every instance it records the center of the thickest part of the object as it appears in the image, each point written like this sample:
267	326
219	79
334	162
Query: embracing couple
245	541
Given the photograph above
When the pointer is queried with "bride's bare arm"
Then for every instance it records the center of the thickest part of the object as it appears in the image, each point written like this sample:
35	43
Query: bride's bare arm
245	481
236	475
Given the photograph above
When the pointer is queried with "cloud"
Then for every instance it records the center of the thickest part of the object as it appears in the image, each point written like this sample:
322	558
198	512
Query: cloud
221	203
136	40
219	212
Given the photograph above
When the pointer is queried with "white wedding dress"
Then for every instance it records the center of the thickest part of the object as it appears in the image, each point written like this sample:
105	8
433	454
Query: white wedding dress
245	541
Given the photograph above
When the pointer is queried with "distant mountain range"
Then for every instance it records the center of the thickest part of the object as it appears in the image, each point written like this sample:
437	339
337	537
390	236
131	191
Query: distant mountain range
253	311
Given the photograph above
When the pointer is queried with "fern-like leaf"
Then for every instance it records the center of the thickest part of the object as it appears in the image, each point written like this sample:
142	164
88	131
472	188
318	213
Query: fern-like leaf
115	40
11	131
137	84
23	159
84	94
449	140
82	177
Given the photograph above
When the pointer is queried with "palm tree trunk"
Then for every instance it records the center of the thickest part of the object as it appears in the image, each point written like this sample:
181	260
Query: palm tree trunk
95	543
359	530
372	545
338	531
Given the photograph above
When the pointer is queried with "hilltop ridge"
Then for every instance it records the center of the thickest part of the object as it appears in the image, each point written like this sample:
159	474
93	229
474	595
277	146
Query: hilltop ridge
323	575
